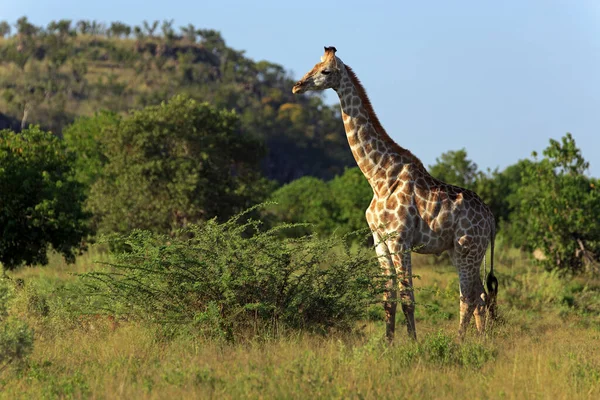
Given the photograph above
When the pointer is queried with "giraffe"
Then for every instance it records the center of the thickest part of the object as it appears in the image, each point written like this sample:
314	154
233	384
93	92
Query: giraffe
410	210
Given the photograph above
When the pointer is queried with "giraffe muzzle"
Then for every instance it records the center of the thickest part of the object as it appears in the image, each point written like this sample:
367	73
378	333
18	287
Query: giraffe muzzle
298	87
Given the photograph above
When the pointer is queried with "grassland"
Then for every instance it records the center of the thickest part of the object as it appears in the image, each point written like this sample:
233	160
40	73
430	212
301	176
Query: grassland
546	345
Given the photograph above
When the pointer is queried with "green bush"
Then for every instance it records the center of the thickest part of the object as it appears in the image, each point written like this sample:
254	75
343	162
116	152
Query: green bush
16	342
16	338
337	206
86	138
41	203
307	200
352	194
557	207
231	278
455	168
166	166
438	348
441	349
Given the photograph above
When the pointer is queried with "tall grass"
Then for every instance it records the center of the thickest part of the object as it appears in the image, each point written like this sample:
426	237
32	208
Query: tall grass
545	346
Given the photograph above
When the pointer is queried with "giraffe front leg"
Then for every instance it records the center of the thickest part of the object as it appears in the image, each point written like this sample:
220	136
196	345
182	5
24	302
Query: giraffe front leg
402	262
390	302
390	292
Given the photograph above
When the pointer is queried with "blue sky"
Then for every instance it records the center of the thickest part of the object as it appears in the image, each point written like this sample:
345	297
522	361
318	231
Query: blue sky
497	78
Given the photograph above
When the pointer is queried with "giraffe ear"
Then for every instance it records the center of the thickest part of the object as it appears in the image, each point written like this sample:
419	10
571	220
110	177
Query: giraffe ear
329	53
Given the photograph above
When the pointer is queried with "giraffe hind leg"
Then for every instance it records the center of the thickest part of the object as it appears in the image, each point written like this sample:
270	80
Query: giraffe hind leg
467	259
480	313
466	311
472	302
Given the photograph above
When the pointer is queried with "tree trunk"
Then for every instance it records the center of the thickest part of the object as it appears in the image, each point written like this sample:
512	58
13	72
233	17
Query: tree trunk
25	115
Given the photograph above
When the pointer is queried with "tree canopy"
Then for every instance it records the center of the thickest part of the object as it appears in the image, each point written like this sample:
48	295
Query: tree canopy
557	208
455	168
41	203
52	75
165	166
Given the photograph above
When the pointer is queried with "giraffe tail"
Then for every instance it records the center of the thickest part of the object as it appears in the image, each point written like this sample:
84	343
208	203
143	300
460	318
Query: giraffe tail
491	280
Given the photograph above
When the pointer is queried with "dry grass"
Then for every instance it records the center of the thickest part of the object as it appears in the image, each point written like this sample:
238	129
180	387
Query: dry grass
544	350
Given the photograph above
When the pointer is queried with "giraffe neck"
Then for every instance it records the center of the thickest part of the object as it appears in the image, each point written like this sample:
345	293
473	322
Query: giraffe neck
379	158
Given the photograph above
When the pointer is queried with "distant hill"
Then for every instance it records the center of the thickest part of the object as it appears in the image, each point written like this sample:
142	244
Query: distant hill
51	75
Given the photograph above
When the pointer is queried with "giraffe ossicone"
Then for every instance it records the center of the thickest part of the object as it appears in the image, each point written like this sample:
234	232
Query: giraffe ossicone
410	210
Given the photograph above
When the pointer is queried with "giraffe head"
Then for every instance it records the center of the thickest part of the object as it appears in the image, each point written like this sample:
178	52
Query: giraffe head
324	75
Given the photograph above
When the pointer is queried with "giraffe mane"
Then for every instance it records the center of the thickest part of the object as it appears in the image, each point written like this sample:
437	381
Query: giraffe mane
362	93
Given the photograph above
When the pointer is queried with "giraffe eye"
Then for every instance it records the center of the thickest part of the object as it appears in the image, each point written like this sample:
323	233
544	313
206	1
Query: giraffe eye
326	72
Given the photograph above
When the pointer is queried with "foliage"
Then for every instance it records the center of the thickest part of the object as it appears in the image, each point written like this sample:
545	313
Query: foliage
455	168
306	200
498	190
441	349
4	29
169	165
86	137
40	200
230	276
16	341
557	208
549	325
337	206
352	194
16	338
52	75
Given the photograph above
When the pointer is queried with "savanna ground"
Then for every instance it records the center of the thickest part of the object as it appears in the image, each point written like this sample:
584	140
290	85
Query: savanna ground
545	345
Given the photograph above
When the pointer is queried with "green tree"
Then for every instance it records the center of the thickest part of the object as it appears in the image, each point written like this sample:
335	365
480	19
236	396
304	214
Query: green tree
455	168
306	200
62	28
50	81
40	200
97	28
86	138
39	89
167	29
177	163
119	29
189	33
336	206
150	28
498	189
4	29
25	28
557	208
353	194
83	27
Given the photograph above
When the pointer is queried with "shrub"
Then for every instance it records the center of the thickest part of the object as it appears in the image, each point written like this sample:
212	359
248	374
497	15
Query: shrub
232	278
306	200
441	349
337	206
40	200
16	342
557	208
16	338
165	166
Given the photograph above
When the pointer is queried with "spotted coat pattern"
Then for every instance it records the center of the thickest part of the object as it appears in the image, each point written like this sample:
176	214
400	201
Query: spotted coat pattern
410	210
